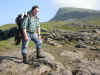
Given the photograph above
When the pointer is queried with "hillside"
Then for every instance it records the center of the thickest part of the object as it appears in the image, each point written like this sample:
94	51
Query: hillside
69	50
77	14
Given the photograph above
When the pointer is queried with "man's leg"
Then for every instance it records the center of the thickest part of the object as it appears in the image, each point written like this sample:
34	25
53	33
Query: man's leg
24	50
38	45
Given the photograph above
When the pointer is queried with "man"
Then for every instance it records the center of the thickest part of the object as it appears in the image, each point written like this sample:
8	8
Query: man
31	31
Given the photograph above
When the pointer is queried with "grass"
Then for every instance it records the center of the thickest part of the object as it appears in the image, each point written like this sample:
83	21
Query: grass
10	45
50	26
7	44
7	26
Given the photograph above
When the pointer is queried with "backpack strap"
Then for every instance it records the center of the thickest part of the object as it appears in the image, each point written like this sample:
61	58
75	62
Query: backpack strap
28	16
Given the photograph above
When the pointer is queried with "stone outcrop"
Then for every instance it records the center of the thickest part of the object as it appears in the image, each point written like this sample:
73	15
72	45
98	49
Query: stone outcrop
4	35
88	37
43	66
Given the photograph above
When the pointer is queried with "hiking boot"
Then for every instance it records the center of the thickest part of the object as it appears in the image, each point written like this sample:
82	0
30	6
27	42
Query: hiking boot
25	61
39	55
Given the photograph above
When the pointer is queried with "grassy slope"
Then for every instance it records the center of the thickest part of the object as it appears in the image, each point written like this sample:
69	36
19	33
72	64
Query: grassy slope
9	44
50	26
7	26
58	25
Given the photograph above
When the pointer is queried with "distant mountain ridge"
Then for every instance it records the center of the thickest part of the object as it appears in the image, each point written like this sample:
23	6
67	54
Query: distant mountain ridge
65	13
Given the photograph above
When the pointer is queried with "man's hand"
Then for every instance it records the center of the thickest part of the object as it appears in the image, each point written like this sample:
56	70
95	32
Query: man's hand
39	37
26	38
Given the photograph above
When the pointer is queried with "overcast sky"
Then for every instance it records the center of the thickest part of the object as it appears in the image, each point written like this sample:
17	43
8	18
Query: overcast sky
90	4
9	9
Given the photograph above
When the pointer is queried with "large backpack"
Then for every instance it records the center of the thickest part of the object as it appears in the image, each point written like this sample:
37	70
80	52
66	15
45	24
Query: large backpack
18	19
18	36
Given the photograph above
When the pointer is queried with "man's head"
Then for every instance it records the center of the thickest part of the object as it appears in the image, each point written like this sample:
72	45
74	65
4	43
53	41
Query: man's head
35	10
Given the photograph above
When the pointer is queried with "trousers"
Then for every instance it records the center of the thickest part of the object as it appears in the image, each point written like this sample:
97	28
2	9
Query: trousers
32	37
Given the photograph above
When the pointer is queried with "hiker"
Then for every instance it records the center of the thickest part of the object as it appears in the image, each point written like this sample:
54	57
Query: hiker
31	31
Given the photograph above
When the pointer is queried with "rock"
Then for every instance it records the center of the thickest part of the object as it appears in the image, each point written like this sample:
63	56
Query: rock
48	65
80	44
72	55
44	30
81	72
53	42
11	68
43	66
4	35
1	31
96	31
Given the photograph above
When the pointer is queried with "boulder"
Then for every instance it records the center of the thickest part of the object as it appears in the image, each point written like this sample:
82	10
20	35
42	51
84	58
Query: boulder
48	65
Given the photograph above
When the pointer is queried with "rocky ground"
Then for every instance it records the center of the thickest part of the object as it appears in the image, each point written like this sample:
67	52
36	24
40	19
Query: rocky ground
59	60
67	53
11	64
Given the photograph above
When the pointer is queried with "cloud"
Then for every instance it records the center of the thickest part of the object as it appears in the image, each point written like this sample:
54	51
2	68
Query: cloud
90	4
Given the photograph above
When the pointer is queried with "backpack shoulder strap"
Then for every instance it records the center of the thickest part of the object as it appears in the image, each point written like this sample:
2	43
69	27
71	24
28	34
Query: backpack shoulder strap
28	16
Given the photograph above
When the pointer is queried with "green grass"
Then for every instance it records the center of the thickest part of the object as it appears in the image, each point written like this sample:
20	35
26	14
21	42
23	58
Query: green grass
7	26
7	44
10	45
50	26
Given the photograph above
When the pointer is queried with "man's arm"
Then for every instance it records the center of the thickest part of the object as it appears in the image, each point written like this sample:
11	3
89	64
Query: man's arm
25	35
23	26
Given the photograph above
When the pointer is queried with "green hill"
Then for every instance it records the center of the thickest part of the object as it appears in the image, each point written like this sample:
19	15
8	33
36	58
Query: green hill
77	14
7	26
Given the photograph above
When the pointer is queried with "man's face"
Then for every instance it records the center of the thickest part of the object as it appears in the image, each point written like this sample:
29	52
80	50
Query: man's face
35	11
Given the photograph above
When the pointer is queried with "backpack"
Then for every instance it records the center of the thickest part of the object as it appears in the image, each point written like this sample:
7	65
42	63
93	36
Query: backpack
18	19
18	34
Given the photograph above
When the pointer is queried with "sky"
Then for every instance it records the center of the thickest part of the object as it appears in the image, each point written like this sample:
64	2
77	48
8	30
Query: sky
90	4
9	9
